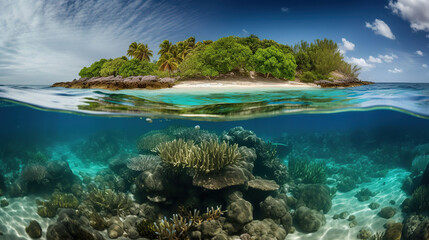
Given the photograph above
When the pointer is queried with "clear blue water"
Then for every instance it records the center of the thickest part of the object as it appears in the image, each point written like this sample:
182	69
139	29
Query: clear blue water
371	134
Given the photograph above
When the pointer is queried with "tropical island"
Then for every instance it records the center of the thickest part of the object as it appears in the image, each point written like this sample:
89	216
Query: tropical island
234	60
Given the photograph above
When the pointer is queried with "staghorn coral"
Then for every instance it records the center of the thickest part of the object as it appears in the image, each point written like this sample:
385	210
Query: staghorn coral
143	162
175	228
208	156
307	171
34	173
213	156
108	200
57	200
150	140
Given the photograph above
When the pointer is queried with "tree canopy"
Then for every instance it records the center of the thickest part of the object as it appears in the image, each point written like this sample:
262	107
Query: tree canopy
188	58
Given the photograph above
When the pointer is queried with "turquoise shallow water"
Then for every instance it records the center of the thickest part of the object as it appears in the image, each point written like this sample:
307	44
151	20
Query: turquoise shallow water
86	142
219	104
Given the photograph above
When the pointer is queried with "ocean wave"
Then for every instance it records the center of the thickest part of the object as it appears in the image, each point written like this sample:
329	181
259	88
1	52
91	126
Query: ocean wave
219	105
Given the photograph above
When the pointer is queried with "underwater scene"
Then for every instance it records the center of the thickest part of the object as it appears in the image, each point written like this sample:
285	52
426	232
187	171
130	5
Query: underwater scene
208	164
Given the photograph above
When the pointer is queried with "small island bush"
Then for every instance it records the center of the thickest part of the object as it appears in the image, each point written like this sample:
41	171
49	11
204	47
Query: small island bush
273	61
135	67
111	67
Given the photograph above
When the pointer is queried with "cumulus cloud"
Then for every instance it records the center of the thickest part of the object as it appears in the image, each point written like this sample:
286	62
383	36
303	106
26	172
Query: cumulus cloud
374	59
381	28
346	46
388	58
420	53
284	9
361	63
395	70
43	41
424	65
414	11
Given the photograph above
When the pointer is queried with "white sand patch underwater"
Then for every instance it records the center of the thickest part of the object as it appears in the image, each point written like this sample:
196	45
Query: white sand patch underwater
387	188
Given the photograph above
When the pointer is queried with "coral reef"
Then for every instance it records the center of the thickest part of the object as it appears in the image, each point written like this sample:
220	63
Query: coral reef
108	200
315	196
99	147
387	212
150	140
142	163
308	220
58	200
205	157
364	195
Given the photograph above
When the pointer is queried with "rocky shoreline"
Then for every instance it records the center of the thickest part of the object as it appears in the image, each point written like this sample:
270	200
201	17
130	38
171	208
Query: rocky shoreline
154	82
118	82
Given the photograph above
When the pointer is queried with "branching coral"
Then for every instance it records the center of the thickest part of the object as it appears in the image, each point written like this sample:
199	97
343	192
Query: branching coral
206	157
108	200
377	236
150	140
34	173
143	162
176	228
58	200
307	171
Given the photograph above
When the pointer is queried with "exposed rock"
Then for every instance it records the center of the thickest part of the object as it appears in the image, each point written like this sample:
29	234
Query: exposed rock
231	175
314	196
69	227
345	82
266	229
309	220
387	212
34	230
263	184
344	215
118	82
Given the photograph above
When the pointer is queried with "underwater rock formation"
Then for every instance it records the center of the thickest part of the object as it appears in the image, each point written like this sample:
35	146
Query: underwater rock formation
34	230
364	195
387	212
314	196
308	220
70	226
265	229
277	210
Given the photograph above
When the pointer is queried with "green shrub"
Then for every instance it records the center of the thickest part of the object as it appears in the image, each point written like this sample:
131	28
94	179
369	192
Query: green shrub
308	77
135	67
93	70
273	61
111	67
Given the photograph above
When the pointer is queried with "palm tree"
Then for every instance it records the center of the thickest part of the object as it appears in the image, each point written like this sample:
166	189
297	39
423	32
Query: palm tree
168	62
140	51
165	47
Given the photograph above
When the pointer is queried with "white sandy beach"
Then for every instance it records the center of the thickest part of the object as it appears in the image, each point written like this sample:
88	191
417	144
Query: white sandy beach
241	84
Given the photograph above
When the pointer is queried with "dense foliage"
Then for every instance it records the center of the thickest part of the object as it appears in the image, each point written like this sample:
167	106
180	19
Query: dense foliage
308	61
273	61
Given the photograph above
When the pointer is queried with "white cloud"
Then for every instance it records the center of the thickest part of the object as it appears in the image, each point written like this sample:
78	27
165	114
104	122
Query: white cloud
361	63
395	70
245	31
424	65
346	46
374	59
284	9
43	41
388	58
381	28
420	53
414	11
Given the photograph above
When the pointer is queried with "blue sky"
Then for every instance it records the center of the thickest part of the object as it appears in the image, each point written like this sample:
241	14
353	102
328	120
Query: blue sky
44	41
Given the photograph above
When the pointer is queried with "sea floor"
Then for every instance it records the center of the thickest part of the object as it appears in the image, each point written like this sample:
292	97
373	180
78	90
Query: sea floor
15	217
